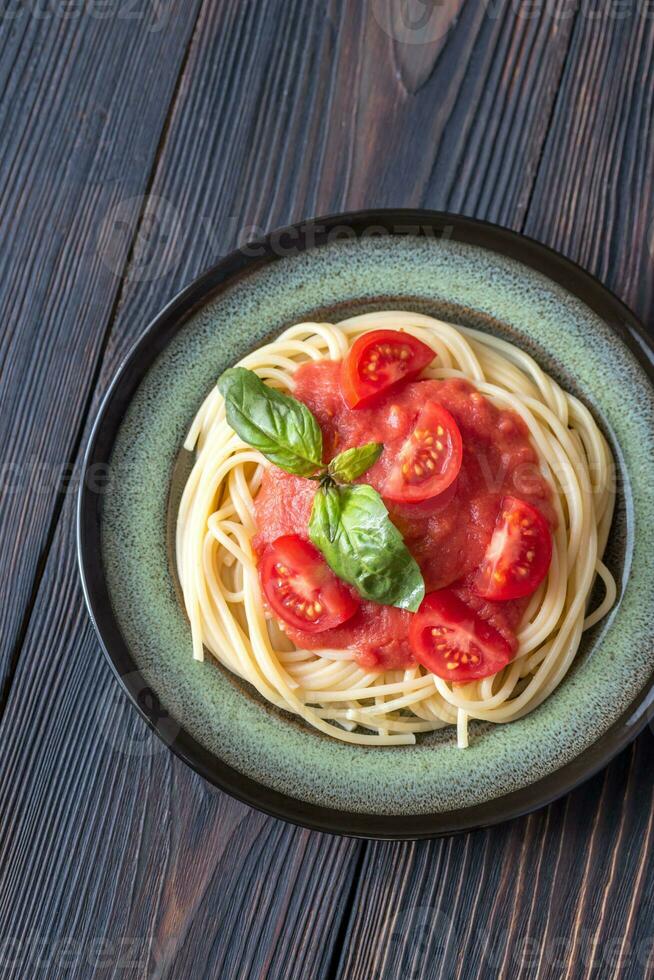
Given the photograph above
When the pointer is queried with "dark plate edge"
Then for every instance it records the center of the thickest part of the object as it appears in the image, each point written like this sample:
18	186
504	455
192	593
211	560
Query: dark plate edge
521	248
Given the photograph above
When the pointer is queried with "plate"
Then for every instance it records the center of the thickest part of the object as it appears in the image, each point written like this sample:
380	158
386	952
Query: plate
459	269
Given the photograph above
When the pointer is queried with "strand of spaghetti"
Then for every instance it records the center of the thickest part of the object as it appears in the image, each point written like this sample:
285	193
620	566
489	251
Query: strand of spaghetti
324	654
609	597
333	339
395	704
422	682
391	724
457	700
462	729
550	391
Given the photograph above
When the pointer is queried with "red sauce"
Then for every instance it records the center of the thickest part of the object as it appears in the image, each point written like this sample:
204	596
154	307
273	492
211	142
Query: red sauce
447	535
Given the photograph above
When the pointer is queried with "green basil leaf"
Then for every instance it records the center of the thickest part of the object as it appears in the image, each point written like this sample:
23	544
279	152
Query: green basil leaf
351	527
280	427
347	466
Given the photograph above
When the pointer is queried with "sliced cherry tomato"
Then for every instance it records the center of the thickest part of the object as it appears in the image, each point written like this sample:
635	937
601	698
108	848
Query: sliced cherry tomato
452	641
301	588
378	360
429	460
519	553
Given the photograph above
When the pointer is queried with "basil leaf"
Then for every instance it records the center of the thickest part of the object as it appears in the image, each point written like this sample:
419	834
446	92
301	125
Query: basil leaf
352	529
280	427
347	466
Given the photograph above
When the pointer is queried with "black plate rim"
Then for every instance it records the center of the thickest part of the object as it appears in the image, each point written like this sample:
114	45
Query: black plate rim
398	221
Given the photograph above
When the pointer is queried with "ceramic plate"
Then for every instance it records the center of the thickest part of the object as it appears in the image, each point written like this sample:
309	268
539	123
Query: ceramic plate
455	268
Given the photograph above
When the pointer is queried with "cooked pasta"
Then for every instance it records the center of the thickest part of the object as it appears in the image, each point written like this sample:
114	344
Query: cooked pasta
327	688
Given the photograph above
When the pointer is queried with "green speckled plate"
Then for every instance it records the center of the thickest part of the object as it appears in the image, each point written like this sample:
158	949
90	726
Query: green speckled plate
456	268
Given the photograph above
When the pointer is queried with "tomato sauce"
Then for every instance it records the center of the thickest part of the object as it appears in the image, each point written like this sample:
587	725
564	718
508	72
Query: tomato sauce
447	535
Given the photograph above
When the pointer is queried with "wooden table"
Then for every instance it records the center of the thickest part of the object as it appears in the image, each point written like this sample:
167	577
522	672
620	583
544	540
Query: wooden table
141	141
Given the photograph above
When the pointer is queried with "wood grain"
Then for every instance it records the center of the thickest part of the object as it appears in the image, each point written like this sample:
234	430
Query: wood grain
80	132
325	123
593	199
559	893
119	853
283	109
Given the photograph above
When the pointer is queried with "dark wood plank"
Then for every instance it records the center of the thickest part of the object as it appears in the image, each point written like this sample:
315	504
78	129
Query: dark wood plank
284	109
465	131
111	839
594	197
82	106
326	123
561	893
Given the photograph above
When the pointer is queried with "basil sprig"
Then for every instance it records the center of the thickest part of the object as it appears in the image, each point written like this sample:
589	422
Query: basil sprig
348	465
349	524
280	427
351	527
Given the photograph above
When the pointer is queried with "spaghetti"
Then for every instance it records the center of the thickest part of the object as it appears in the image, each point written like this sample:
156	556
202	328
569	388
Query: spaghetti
328	688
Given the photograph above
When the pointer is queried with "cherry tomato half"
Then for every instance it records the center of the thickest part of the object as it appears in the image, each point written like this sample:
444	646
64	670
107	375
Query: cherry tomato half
519	553
453	642
429	460
301	588
378	360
